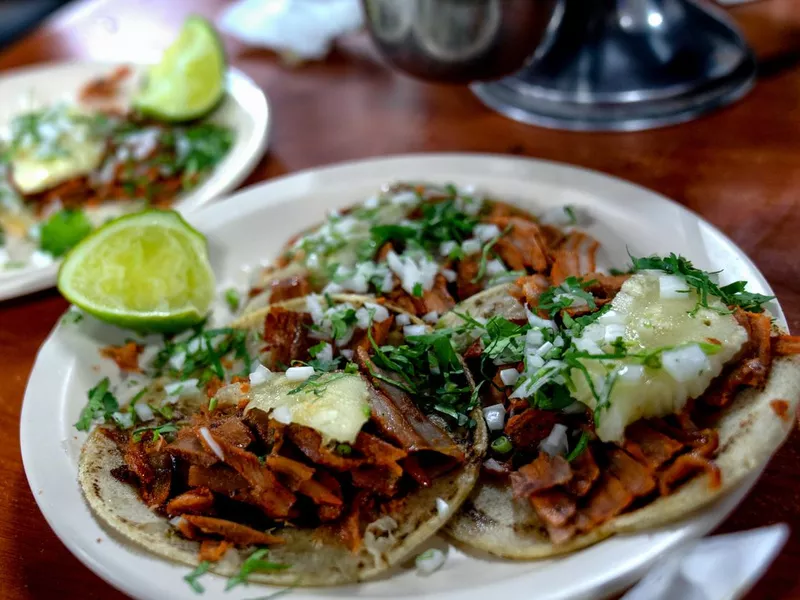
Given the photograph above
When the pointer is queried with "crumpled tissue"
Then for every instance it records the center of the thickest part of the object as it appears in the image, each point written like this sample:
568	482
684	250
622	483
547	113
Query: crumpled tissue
297	29
721	567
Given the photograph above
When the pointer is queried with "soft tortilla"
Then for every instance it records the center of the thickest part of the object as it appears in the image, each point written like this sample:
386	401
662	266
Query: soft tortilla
316	557
750	432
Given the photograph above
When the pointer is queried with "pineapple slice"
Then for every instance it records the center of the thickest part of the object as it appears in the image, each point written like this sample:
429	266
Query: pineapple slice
654	314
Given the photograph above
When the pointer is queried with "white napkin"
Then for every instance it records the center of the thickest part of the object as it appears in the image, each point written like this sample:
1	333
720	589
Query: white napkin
721	567
297	29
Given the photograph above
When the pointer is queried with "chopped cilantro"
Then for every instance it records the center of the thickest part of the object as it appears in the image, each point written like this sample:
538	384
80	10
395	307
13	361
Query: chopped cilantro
485	255
733	294
560	297
429	369
571	216
317	383
232	299
417	291
192	577
63	230
344	449
254	563
583	442
101	404
157	430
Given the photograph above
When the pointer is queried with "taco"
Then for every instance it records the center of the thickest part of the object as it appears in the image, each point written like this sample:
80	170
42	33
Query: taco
424	248
353	440
617	403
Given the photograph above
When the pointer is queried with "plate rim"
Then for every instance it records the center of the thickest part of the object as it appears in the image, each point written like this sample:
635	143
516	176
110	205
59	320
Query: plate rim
618	578
16	284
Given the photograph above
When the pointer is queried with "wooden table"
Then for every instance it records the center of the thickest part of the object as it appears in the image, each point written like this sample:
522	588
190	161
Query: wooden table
739	168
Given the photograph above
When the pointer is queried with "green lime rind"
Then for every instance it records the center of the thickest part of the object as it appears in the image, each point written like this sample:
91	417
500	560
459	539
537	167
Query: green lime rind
148	271
189	81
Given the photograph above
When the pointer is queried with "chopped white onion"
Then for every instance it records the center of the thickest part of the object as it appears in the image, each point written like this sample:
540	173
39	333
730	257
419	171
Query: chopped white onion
495	417
430	561
537	321
556	442
558	342
363	318
471	246
314	306
325	354
176	521
535	361
282	414
176	361
144	412
332	288
299	373
404	198
260	374
198	343
124	420
147	355
403	319
372	202
611	317
348	354
212	443
412	330
486	232
447	247
431	317
671	287
495	267
631	373
442	507
685	364
493	465
533	339
613	332
179	389
509	376
544	348
380	313
449	275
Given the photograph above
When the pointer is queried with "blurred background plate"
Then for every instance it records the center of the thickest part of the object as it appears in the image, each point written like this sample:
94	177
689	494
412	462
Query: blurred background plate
244	109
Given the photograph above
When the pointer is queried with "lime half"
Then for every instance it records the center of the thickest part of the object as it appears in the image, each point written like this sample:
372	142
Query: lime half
189	81
148	271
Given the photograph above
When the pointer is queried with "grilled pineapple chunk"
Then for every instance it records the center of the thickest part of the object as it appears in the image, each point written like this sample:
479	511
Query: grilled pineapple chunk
673	352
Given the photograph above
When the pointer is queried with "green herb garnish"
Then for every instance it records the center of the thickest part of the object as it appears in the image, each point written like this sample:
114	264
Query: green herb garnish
583	442
733	294
232	299
254	563
63	230
157	430
101	404
485	255
417	290
192	577
502	445
562	296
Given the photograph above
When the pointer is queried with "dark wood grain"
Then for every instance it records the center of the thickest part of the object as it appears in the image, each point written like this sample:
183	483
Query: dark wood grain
739	168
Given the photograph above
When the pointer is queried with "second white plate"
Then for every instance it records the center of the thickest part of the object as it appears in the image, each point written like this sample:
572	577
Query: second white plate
244	109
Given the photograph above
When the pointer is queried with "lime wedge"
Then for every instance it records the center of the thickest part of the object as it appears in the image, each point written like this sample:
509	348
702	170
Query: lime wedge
189	81
148	271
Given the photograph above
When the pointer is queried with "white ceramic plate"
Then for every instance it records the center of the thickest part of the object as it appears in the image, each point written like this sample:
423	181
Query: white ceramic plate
251	227
244	109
